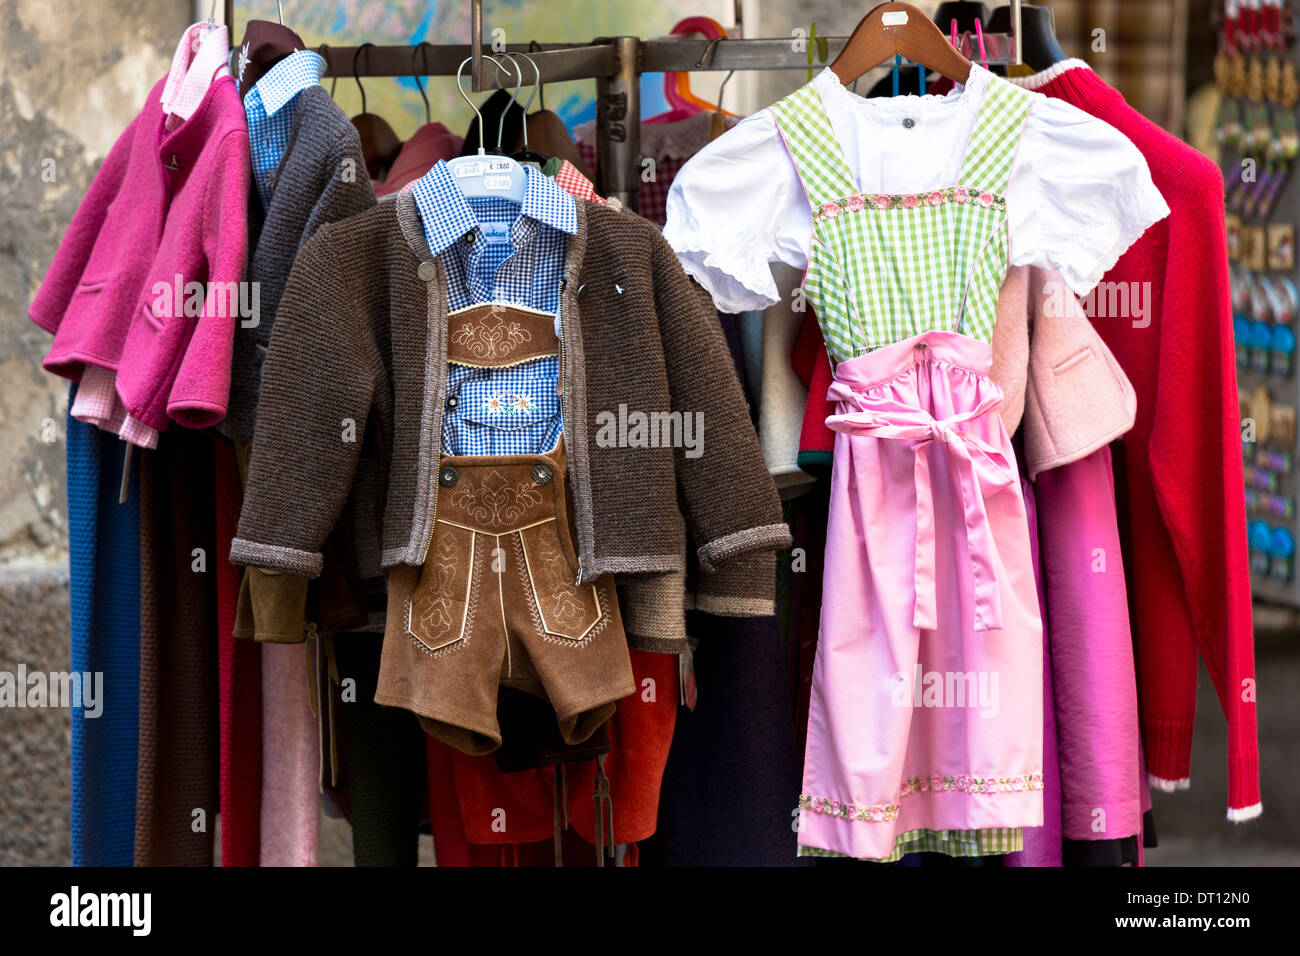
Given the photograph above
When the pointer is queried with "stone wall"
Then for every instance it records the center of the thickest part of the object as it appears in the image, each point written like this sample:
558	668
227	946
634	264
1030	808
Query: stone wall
72	76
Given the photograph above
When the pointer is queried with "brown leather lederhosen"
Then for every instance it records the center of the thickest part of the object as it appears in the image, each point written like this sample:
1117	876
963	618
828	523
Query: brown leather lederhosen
496	602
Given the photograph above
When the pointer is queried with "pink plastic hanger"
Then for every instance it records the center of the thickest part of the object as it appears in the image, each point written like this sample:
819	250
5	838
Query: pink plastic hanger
677	89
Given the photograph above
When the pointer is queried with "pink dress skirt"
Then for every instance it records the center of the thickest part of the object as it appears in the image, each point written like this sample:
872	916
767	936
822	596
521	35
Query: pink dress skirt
927	707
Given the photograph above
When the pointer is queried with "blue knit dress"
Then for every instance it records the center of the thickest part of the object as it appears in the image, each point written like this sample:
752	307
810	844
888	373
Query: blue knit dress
104	546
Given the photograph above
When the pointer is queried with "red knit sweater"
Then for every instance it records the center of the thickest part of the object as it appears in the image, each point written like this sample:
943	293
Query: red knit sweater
1183	516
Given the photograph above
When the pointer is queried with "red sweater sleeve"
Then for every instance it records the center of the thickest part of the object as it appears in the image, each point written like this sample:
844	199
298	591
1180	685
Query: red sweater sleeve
201	391
1204	506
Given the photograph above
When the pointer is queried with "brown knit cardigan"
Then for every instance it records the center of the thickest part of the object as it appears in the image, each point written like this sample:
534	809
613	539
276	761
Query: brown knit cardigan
360	343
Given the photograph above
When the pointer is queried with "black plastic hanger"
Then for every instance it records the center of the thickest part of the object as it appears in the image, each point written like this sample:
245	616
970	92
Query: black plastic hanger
1039	48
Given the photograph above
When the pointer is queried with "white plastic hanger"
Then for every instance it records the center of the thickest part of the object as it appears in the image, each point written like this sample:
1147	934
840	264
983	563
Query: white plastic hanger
487	175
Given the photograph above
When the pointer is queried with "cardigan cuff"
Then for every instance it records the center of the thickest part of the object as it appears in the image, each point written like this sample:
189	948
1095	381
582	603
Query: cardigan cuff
770	537
743	587
272	607
654	612
277	558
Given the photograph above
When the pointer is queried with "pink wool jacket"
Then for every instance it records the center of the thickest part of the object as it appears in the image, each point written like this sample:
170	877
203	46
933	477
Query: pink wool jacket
145	232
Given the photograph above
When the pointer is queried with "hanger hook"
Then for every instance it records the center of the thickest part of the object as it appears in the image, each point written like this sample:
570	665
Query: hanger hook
537	85
722	86
501	120
707	55
279	12
541	104
355	56
470	103
428	118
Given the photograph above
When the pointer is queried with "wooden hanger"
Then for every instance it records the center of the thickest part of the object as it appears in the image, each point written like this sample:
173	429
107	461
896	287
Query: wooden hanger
898	29
379	143
547	134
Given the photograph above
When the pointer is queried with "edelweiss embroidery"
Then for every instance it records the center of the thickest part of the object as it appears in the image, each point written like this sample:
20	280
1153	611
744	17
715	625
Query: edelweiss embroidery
491	337
505	403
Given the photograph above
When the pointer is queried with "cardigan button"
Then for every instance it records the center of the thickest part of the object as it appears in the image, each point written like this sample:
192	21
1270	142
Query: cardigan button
427	271
541	474
448	476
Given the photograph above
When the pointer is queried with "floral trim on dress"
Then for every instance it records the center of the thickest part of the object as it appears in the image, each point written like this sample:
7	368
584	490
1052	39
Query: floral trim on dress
937	197
885	812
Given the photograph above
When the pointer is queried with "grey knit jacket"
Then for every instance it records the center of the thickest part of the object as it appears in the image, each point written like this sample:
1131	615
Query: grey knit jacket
360	342
321	178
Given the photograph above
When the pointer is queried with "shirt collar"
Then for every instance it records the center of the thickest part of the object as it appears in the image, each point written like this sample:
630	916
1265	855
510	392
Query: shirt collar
447	214
198	56
288	78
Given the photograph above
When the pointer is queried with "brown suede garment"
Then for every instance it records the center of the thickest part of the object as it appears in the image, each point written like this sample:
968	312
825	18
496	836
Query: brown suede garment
497	602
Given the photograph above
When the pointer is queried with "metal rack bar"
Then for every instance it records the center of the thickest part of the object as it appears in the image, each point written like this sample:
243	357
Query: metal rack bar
557	61
564	61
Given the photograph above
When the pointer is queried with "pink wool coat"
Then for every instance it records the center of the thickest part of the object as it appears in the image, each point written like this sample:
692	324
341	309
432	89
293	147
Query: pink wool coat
144	231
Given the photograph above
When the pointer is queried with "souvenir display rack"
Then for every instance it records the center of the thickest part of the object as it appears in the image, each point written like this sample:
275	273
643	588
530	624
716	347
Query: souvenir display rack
1256	72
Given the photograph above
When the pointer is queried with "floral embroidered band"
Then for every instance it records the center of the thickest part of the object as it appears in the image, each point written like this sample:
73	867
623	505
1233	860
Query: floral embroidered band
953	194
883	812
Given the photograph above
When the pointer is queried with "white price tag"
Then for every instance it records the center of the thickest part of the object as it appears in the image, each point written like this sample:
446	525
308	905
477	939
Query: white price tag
468	169
496	182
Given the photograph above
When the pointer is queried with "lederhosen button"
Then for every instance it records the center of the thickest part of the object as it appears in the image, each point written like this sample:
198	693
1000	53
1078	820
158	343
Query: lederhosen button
541	474
448	476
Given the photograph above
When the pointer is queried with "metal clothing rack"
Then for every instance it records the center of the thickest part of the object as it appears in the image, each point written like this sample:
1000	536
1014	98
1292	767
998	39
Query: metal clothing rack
616	64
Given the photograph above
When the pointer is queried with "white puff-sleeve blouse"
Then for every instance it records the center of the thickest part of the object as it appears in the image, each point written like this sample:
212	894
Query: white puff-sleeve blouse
1079	195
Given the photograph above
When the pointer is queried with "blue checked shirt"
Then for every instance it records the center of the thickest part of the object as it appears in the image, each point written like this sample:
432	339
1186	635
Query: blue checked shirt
496	251
270	107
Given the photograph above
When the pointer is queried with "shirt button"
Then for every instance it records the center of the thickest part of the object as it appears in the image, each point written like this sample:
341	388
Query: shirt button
453	401
448	476
908	122
541	474
471	236
427	271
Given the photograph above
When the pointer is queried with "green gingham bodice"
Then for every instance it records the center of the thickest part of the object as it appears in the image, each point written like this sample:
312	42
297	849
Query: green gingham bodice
885	267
